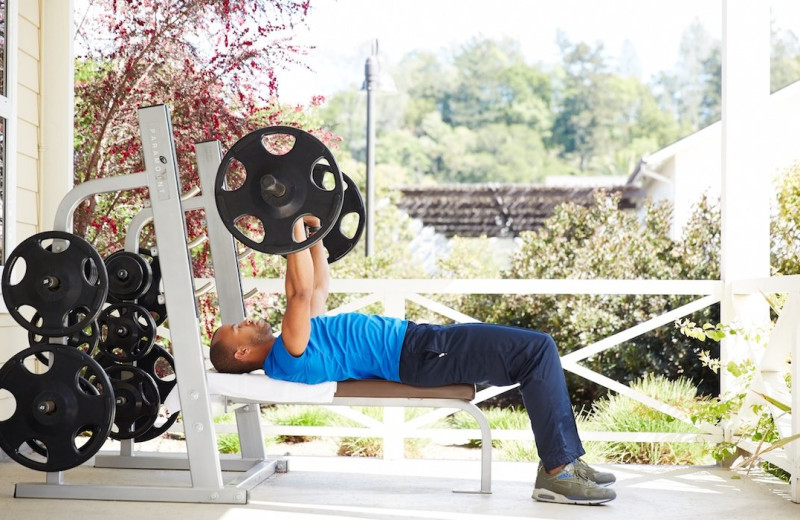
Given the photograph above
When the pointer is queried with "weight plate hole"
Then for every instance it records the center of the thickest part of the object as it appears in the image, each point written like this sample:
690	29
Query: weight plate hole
39	454
28	313
322	176
36	366
163	370
349	225
278	144
251	227
8	405
90	271
18	268
54	245
85	435
235	175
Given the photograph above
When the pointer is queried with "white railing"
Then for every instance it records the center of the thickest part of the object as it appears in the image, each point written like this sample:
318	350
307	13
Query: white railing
773	364
393	295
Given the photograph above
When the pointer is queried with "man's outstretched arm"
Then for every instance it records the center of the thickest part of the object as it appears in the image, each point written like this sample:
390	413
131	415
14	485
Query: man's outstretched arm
319	297
296	325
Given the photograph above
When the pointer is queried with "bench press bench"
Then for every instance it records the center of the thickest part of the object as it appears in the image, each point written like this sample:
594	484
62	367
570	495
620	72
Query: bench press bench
257	388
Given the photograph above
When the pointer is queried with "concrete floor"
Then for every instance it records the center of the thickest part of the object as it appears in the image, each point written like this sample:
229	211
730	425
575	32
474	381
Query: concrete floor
350	488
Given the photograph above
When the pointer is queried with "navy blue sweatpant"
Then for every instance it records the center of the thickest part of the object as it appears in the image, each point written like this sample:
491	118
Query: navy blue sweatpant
480	353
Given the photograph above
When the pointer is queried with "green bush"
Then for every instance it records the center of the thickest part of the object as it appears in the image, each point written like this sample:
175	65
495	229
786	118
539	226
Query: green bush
619	413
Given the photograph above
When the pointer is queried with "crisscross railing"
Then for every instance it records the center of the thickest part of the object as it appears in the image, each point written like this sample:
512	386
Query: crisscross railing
394	294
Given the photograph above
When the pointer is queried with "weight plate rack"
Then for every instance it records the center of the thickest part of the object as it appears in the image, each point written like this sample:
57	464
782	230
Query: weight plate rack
69	343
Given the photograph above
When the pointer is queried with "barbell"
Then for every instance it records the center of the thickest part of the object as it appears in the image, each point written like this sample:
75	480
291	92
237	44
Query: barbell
271	178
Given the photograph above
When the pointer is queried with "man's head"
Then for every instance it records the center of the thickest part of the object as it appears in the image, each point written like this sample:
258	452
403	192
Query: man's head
241	347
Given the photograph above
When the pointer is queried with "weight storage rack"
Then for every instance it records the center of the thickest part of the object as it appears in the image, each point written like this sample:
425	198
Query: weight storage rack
166	210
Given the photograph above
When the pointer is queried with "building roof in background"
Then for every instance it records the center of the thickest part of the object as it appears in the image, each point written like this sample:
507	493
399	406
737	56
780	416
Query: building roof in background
498	210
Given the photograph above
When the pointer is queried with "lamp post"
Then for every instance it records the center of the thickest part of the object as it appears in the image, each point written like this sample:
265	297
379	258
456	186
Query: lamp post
370	85
375	80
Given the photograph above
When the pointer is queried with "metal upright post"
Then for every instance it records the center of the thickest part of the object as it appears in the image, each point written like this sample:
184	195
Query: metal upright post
229	286
170	229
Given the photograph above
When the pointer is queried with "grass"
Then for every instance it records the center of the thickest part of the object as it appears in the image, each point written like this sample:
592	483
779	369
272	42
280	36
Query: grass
373	446
619	413
297	415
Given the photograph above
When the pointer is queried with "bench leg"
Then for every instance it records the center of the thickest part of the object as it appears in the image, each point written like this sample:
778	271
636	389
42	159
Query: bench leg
486	447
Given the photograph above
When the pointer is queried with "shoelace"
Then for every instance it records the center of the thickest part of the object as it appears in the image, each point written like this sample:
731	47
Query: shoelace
582	473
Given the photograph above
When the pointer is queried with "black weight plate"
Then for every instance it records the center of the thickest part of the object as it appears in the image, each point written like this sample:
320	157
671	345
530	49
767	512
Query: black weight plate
160	365
336	242
293	171
129	276
137	401
154	299
56	411
127	331
54	282
84	384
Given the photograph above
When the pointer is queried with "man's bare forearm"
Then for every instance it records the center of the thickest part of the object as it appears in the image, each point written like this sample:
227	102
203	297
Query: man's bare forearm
321	279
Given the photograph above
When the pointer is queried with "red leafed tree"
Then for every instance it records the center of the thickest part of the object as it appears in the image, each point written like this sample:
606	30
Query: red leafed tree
212	63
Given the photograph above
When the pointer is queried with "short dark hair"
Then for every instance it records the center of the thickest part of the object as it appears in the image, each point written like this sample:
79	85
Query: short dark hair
221	355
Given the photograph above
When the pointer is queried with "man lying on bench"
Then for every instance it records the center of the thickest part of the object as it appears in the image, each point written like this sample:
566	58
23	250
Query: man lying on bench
313	348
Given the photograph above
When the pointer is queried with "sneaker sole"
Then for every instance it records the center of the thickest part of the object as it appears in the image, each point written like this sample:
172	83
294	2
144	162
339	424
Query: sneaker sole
545	495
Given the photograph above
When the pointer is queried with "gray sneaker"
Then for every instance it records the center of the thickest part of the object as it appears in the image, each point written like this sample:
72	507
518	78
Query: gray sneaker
569	486
601	478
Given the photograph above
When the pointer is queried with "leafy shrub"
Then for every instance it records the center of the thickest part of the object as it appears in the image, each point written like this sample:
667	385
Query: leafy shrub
603	241
619	413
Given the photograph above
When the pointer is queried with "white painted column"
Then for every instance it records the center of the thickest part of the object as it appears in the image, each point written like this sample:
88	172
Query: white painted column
746	167
394	416
57	103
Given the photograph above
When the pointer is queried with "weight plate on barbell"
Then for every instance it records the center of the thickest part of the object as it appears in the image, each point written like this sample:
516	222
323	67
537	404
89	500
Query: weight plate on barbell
58	411
339	241
265	183
129	276
127	331
54	274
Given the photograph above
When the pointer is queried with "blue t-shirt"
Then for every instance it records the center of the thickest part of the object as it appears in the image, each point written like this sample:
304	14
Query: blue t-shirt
341	347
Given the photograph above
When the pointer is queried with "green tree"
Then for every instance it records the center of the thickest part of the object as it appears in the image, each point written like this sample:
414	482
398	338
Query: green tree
784	58
425	78
217	79
785	225
604	122
493	85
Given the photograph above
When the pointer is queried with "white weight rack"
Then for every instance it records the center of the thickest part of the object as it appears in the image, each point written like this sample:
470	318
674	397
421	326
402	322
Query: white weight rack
166	209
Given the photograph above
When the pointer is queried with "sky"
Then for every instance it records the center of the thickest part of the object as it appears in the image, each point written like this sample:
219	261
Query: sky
342	32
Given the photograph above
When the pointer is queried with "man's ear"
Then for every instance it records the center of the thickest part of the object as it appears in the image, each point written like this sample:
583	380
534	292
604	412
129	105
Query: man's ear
240	353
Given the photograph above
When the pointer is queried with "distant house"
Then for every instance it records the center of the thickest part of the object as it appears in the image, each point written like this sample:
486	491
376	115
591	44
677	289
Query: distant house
684	170
499	210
